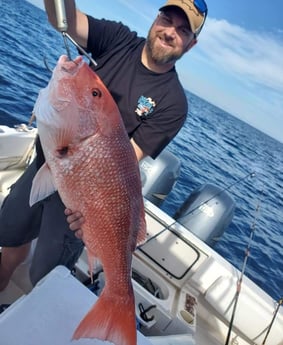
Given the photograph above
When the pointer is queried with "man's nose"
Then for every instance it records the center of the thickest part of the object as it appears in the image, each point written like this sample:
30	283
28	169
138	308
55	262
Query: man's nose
170	33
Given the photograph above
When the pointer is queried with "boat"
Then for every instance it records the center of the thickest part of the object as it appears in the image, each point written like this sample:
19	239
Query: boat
185	292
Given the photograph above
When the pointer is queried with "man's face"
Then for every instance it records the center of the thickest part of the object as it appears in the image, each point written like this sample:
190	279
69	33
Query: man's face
169	37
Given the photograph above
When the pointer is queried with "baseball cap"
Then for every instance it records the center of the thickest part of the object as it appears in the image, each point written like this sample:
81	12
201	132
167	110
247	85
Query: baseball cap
196	11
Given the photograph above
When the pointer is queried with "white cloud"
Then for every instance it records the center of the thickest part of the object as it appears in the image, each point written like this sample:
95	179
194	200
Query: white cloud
255	56
241	72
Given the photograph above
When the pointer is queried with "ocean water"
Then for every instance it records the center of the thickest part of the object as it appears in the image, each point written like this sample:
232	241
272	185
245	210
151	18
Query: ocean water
213	146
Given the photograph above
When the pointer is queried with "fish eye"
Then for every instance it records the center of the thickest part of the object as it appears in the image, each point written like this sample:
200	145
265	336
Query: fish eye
63	151
96	93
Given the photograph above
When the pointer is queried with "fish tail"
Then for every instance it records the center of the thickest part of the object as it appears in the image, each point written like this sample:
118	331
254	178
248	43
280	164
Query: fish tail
111	318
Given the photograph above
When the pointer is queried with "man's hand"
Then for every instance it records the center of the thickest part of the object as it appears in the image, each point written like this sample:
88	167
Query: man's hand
75	220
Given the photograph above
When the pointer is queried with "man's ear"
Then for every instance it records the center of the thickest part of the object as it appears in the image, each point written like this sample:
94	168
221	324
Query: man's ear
191	44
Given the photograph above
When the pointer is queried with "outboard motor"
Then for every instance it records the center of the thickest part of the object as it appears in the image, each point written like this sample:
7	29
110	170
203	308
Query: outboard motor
158	176
207	212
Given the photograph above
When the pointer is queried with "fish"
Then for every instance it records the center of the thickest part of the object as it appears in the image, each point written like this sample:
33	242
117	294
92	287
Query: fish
90	161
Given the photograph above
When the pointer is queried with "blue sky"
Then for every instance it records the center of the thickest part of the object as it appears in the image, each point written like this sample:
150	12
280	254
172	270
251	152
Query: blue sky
237	63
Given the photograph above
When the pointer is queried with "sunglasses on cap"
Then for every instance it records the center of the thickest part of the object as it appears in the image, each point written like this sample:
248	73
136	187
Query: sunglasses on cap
201	6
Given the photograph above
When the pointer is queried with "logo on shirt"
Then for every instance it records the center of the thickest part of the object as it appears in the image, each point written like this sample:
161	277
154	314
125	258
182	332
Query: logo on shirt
145	106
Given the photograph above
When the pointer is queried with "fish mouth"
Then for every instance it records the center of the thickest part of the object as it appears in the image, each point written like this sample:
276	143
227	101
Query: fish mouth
70	66
59	91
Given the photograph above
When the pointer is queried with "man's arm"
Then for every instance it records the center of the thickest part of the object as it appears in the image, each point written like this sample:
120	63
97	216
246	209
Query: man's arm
139	152
77	21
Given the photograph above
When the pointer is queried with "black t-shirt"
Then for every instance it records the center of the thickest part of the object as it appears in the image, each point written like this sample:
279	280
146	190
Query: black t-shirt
153	105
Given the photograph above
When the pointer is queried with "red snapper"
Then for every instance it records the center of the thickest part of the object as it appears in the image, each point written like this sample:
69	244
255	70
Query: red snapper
92	164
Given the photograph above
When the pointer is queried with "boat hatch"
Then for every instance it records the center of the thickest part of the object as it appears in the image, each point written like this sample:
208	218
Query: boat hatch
169	250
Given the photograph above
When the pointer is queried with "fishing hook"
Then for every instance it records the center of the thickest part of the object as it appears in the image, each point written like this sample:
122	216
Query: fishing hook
80	49
67	37
62	26
66	45
47	65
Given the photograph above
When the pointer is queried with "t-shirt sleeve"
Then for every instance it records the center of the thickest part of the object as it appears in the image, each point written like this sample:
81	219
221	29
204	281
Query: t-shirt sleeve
101	38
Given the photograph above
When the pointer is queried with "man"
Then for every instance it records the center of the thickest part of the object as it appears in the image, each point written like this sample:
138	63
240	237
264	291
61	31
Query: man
140	74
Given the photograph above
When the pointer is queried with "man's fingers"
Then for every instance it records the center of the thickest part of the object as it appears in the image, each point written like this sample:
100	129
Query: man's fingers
75	220
79	234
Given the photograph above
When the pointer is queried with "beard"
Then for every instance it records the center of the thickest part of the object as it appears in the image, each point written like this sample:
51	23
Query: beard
158	54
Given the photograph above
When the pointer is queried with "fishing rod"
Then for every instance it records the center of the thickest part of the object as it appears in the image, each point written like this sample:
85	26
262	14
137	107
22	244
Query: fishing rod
251	174
240	280
280	302
167	227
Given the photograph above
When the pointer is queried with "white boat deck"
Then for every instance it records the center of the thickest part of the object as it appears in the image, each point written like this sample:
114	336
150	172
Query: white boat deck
50	313
59	302
208	328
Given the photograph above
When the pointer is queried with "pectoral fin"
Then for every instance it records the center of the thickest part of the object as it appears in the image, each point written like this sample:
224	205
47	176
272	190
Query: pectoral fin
42	185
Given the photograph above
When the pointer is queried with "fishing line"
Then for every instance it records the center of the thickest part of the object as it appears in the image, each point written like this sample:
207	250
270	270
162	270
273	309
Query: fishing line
247	254
167	227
